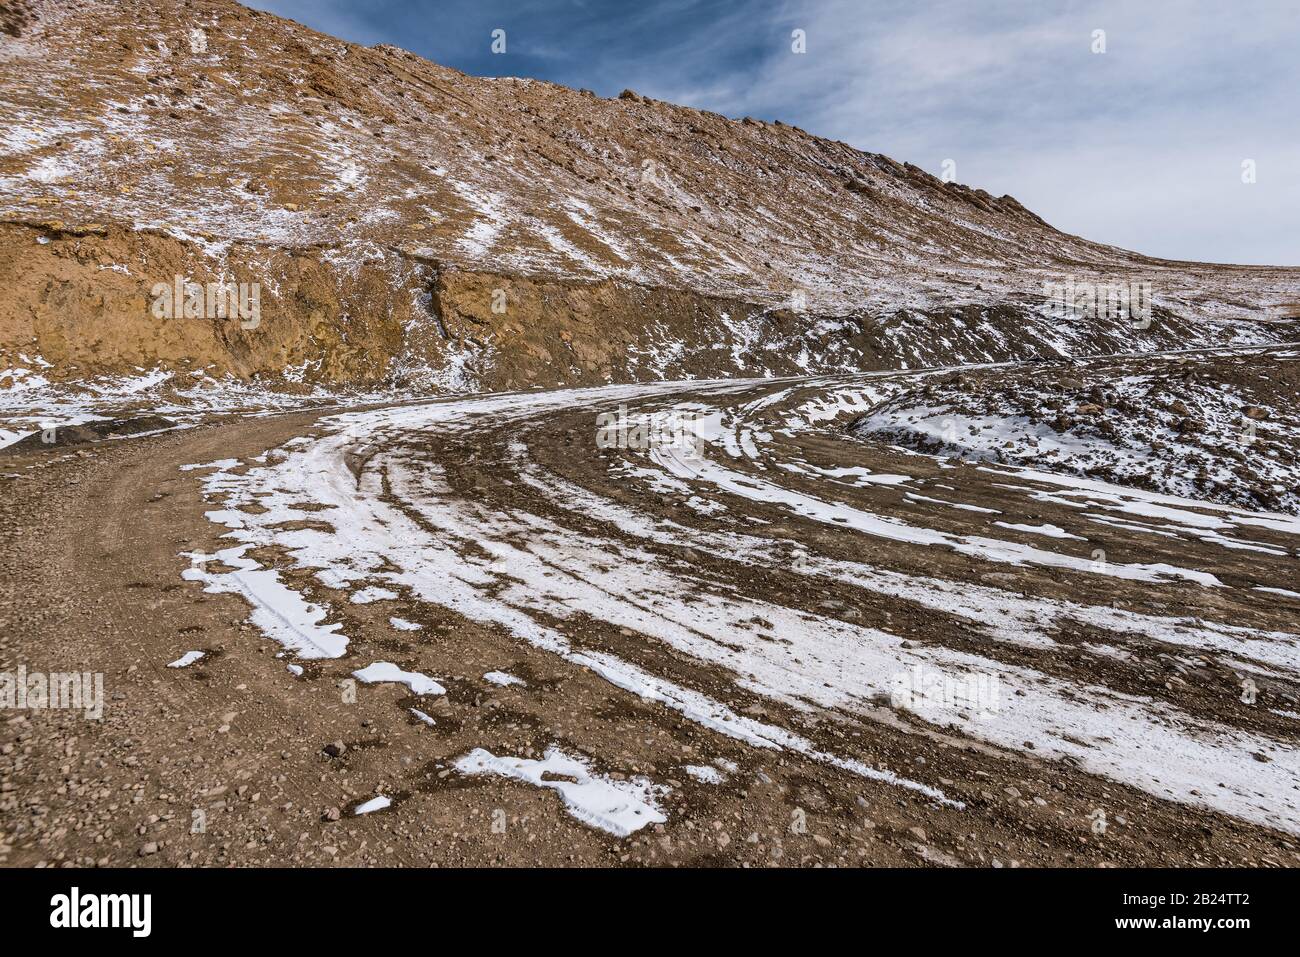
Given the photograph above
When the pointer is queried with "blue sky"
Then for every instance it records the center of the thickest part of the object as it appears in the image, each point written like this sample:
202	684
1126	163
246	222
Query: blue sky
1141	146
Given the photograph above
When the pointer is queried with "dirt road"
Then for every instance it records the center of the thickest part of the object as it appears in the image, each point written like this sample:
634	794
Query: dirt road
708	627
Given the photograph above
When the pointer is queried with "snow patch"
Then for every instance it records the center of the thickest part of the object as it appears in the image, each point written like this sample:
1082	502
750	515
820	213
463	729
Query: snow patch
619	807
187	659
385	672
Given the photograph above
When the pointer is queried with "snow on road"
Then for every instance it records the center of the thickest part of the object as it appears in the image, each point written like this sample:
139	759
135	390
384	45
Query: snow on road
619	807
396	525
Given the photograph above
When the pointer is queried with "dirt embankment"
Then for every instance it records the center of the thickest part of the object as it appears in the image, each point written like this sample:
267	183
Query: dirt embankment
87	301
95	299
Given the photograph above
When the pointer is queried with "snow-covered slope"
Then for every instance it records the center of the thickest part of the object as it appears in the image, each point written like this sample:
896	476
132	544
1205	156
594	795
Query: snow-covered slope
202	139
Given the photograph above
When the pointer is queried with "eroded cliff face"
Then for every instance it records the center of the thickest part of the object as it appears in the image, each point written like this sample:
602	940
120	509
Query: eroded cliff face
114	301
85	301
103	300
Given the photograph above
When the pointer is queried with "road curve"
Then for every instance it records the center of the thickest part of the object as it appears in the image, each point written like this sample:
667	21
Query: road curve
702	623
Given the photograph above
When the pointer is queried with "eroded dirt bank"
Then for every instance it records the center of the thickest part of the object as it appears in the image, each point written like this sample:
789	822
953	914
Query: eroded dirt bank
85	305
95	301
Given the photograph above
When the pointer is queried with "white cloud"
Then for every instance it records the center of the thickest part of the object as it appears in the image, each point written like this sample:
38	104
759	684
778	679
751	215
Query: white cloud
1140	146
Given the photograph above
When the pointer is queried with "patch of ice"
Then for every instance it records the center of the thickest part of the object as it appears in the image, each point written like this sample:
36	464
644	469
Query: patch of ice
702	772
222	464
387	672
1051	531
374	804
372	594
961	505
619	807
278	611
1277	591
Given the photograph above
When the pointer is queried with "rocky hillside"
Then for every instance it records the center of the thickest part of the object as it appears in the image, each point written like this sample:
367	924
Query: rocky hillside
411	225
1218	427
